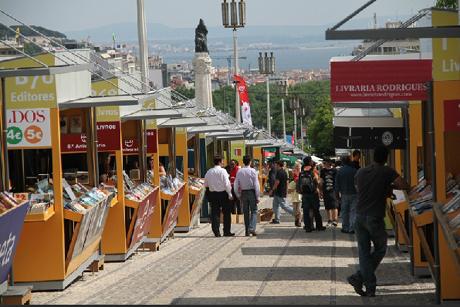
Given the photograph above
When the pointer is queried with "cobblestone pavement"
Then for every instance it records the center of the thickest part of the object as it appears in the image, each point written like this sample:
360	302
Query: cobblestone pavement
282	265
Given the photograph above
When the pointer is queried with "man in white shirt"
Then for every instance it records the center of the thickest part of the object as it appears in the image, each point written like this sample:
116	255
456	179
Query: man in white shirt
220	192
248	192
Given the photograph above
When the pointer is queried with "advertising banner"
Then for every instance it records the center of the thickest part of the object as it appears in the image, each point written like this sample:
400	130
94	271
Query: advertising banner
11	224
31	92
244	100
393	80
108	135
144	217
446	51
130	146
173	211
152	145
452	115
28	128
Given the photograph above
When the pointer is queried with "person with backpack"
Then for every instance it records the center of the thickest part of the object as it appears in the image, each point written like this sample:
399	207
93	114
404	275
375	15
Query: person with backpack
307	186
328	193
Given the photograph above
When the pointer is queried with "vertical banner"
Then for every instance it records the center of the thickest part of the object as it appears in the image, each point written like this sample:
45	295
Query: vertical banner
446	51
244	100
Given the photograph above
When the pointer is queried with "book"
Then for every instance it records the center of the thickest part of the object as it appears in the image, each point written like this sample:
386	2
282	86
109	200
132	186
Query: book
76	125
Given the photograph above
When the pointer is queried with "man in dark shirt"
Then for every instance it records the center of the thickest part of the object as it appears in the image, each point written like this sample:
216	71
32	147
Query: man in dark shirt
345	187
279	193
356	159
327	188
374	185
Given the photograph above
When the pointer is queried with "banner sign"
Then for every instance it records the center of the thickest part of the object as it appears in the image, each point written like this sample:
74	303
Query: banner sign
130	146
28	128
144	217
152	145
393	80
108	134
31	92
172	212
244	100
11	224
452	115
446	51
369	138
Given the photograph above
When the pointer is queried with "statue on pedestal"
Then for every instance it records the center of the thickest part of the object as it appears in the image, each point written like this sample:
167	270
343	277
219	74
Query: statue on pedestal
201	41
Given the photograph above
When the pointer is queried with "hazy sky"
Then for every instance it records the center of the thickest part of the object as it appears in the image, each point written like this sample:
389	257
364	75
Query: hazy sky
68	15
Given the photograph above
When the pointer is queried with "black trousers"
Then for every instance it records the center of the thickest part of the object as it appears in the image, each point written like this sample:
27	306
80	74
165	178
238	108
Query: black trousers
220	202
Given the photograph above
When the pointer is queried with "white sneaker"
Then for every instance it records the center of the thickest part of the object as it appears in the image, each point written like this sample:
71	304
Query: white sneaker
329	224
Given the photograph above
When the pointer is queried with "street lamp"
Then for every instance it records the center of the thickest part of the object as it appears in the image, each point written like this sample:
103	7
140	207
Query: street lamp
294	104
267	67
302	114
284	93
234	17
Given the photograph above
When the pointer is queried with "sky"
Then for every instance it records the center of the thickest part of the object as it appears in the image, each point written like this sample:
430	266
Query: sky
70	15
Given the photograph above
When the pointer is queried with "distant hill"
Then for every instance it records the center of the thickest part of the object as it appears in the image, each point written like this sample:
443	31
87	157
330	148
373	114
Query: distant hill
125	32
4	31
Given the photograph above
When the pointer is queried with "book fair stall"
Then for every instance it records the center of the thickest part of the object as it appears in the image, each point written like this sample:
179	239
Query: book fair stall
33	127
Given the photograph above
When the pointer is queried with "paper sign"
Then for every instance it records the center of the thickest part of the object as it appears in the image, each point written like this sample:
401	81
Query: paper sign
28	128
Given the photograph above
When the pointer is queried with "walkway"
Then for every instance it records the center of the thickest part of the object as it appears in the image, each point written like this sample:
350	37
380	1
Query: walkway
282	265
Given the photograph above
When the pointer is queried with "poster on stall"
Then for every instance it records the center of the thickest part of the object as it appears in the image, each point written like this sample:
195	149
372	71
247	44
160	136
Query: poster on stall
27	128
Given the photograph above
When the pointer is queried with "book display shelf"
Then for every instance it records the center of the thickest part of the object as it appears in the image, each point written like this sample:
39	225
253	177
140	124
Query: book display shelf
128	226
174	188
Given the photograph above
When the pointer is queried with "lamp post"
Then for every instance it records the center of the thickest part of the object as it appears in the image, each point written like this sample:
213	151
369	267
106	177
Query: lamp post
234	17
267	68
284	93
302	114
295	106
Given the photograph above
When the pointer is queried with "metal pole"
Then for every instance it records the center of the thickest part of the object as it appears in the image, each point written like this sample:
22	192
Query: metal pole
237	97
294	134
95	146
172	163
143	47
430	123
301	131
4	186
269	124
284	119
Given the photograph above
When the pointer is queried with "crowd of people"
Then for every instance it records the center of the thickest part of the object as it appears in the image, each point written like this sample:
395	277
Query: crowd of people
356	195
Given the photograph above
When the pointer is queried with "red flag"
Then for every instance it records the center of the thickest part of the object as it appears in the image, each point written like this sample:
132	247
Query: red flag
244	99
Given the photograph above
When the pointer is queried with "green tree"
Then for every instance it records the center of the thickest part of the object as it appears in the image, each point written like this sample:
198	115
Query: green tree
320	129
448	4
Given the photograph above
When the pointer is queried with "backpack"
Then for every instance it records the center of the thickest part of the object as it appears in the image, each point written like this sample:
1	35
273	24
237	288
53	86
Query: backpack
307	183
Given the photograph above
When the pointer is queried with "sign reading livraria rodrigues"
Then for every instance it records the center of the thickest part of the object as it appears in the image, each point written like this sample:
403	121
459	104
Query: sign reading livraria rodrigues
384	80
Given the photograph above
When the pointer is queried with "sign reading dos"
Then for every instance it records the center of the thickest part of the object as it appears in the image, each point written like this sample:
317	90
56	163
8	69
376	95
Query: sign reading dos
394	80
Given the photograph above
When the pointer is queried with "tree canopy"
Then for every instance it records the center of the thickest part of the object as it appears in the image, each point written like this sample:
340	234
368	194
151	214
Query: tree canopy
313	96
448	4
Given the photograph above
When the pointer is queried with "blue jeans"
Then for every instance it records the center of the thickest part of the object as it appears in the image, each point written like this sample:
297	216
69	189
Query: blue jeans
278	203
348	211
369	230
249	203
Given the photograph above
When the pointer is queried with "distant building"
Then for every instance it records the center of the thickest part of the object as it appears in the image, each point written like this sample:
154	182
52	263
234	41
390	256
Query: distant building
8	49
390	47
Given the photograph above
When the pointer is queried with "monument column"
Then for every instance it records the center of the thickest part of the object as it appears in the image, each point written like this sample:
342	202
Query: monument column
202	64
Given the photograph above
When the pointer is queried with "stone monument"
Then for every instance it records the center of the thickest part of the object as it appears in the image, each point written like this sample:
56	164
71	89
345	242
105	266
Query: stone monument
202	65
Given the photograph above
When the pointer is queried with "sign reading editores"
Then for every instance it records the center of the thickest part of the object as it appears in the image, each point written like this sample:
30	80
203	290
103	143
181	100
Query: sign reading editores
393	80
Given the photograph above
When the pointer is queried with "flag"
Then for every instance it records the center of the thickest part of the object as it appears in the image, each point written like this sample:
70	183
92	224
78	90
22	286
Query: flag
244	99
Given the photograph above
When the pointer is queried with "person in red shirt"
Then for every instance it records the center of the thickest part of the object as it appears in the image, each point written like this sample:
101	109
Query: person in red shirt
234	168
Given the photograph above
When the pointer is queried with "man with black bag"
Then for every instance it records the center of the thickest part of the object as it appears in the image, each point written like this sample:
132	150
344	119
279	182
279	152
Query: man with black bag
219	192
307	186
